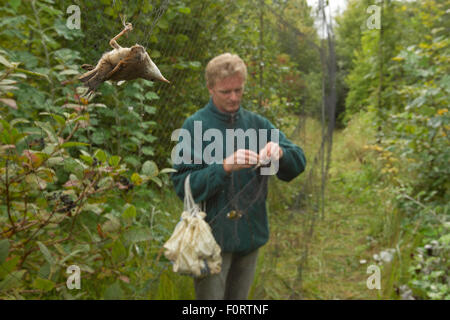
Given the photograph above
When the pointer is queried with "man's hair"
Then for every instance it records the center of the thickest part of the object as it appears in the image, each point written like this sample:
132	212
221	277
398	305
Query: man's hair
223	66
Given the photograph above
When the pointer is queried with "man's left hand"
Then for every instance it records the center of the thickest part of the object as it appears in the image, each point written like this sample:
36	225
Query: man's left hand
272	151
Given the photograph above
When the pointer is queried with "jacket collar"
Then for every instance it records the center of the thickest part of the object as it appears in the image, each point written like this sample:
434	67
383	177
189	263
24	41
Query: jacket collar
229	118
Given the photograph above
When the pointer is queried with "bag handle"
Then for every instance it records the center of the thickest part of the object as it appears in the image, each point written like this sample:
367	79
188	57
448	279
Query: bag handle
189	203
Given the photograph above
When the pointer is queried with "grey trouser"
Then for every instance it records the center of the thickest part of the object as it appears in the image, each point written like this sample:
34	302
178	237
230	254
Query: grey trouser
234	280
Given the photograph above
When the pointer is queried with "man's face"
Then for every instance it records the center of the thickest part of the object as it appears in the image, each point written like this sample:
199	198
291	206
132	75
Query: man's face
227	93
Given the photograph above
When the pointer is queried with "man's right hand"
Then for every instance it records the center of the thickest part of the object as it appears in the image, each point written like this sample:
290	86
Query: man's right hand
240	159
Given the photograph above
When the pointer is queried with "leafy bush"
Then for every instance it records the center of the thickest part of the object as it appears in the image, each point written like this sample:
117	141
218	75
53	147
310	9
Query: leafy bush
429	273
63	205
402	78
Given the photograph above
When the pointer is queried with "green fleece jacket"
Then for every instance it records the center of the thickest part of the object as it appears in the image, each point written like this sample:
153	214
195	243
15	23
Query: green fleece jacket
211	184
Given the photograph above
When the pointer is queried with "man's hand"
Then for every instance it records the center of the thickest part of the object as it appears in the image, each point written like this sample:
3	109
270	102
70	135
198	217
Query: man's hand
240	159
271	152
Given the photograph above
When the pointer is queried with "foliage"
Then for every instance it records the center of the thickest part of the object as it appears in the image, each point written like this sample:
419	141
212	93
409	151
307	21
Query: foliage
350	26
80	176
429	272
402	79
65	202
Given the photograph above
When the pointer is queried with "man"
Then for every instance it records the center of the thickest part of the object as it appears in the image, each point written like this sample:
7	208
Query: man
233	185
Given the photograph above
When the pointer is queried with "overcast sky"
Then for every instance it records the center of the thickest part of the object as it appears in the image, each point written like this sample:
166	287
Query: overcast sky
335	6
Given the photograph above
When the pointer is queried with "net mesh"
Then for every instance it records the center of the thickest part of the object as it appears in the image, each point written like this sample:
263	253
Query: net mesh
191	92
177	63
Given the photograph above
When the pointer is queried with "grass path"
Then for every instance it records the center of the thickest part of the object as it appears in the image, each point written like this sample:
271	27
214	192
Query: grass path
357	224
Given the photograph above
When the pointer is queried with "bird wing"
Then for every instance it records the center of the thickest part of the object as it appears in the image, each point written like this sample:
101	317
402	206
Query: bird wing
129	68
88	67
92	79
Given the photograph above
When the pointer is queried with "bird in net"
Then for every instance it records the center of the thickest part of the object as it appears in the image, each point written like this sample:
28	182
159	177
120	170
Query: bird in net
121	64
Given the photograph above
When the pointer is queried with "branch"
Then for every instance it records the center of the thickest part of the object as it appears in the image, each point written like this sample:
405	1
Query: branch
8	204
77	126
80	199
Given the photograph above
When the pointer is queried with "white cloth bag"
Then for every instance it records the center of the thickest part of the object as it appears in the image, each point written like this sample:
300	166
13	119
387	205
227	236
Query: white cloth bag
192	247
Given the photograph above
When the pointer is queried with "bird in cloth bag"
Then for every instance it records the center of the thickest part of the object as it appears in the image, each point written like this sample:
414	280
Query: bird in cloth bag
192	247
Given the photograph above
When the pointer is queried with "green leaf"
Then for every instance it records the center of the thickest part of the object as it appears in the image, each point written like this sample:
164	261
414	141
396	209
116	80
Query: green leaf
44	271
151	95
72	254
195	65
109	11
114	161
12	280
48	129
107	181
4	250
55	161
8	88
163	24
47	255
43	284
15	4
68	72
137	234
445	239
149	168
74	167
148	151
147	124
19	120
98	137
32	73
132	161
168	170
149	137
112	225
114	292
136	179
119	253
87	159
59	119
155	54
5	62
100	155
7	82
157	181
150	110
7	267
185	10
49	9
130	212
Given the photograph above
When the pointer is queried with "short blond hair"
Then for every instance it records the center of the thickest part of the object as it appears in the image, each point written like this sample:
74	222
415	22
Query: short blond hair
223	66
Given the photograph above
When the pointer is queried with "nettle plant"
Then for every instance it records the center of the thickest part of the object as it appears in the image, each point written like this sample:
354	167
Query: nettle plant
55	210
